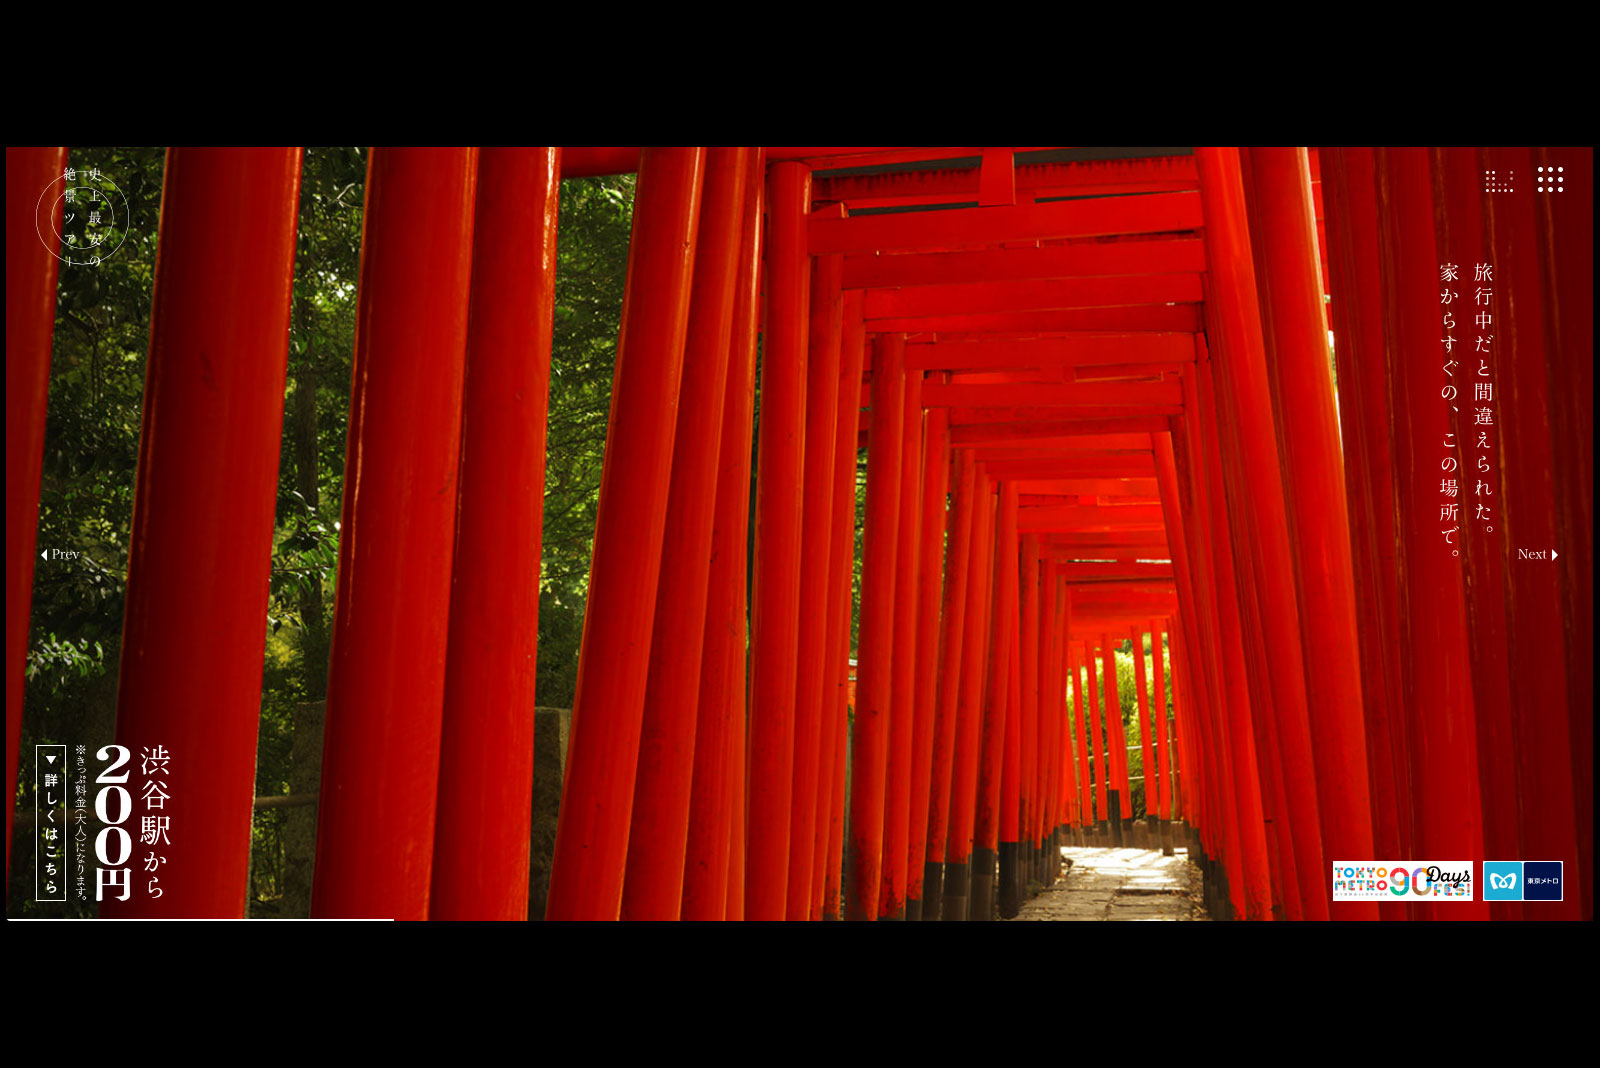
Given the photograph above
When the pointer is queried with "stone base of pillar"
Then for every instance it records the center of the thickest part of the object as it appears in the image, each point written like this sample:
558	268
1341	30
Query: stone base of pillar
981	905
932	890
957	891
1011	887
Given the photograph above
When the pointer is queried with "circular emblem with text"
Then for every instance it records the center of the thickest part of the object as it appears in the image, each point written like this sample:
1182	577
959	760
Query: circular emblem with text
82	217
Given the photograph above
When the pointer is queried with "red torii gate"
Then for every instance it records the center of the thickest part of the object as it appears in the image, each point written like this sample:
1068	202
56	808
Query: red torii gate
1116	371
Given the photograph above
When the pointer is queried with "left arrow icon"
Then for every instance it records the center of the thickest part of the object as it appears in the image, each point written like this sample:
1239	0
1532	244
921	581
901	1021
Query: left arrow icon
45	555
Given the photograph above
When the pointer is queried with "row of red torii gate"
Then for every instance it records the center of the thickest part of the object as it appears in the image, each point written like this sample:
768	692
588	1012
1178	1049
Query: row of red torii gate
1097	402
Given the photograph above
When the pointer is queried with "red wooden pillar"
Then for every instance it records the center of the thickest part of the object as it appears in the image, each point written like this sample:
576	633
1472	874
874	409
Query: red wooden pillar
1189	800
1116	733
1046	769
833	884
1180	476
659	828
1142	693
386	683
1242	364
1106	738
969	708
1077	780
1009	897
1074	729
1057	809
1198	452
1116	742
1286	893
1308	431
1064	771
1124	773
484	820
1250	882
201	546
1433	607
1070	793
841	558
1119	744
1097	744
1028	729
1052	682
1098	760
874	673
1203	709
1081	739
822	415
1358	353
1248	573
586	878
31	268
1159	742
1040	812
1184	808
1459	228
775	615
738	788
953	629
1168	751
986	829
897	810
830	831
935	490
1526	466
716	802
1375	382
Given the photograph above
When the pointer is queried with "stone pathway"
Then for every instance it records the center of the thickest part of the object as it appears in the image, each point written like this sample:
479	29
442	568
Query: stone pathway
1121	884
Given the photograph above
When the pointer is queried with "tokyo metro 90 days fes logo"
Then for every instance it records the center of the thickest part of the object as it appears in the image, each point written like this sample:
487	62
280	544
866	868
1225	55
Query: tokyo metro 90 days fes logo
1428	880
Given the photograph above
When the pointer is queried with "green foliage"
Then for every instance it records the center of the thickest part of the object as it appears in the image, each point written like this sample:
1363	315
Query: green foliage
1128	699
56	661
92	427
591	267
304	558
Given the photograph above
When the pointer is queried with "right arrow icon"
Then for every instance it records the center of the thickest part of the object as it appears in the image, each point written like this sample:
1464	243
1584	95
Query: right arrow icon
1554	554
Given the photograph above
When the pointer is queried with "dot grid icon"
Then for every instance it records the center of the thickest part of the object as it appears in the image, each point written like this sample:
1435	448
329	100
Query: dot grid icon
1494	182
1551	179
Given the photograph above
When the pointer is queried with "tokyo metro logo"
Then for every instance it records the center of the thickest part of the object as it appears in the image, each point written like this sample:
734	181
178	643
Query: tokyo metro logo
1522	880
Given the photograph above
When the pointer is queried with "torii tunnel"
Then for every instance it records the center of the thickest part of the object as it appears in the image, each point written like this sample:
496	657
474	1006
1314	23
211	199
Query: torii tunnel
1095	391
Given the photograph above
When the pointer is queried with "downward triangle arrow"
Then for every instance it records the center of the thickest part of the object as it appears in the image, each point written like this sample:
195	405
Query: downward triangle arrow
49	758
